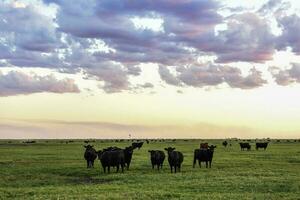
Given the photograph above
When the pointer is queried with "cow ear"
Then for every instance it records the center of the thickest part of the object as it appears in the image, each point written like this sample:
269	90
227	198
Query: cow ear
84	146
149	151
166	149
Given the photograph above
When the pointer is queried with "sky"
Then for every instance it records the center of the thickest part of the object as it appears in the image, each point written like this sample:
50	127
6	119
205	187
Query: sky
149	69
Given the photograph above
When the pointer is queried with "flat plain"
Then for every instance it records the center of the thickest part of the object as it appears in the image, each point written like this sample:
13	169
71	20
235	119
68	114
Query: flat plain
54	169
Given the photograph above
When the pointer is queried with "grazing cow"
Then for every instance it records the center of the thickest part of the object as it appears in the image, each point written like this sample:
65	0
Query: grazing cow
175	159
245	145
262	145
114	158
204	145
90	155
137	144
225	143
157	158
204	155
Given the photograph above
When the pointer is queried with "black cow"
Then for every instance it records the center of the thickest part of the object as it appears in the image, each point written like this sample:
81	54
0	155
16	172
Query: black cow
245	145
128	151
157	158
204	155
90	155
175	159
137	145
225	143
114	158
262	145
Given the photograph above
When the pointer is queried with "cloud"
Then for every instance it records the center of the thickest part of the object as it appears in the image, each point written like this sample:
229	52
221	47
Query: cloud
288	76
101	39
166	76
290	33
17	83
210	74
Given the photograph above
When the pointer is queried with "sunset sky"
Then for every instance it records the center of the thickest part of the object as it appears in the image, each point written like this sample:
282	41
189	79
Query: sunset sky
151	69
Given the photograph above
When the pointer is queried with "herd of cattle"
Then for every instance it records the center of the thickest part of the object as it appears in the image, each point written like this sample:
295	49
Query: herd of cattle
118	157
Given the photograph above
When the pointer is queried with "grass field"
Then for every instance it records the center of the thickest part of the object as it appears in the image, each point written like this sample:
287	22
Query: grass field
55	170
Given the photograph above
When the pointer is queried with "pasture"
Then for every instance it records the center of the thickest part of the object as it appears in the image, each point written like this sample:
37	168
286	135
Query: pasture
55	170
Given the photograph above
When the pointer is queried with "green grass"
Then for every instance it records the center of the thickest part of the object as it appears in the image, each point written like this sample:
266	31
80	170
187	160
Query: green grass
56	170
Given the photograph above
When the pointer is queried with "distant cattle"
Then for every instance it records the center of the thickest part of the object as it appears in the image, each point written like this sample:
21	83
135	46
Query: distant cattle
137	144
29	142
245	145
203	145
225	143
262	145
114	158
90	155
157	158
204	155
147	141
175	159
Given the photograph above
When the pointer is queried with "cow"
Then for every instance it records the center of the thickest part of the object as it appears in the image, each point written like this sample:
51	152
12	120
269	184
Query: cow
137	144
204	145
225	143
112	158
263	145
90	155
157	158
245	145
204	155
175	159
128	151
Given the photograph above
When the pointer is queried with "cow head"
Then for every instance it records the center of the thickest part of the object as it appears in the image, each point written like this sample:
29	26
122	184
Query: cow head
212	147
169	149
99	153
88	146
129	150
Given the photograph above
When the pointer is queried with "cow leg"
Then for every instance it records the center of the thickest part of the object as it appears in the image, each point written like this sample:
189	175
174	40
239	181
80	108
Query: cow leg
92	164
108	169
206	164
199	162
194	162
171	168
87	164
128	166
175	168
152	166
117	168
209	164
122	167
104	169
179	168
158	167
